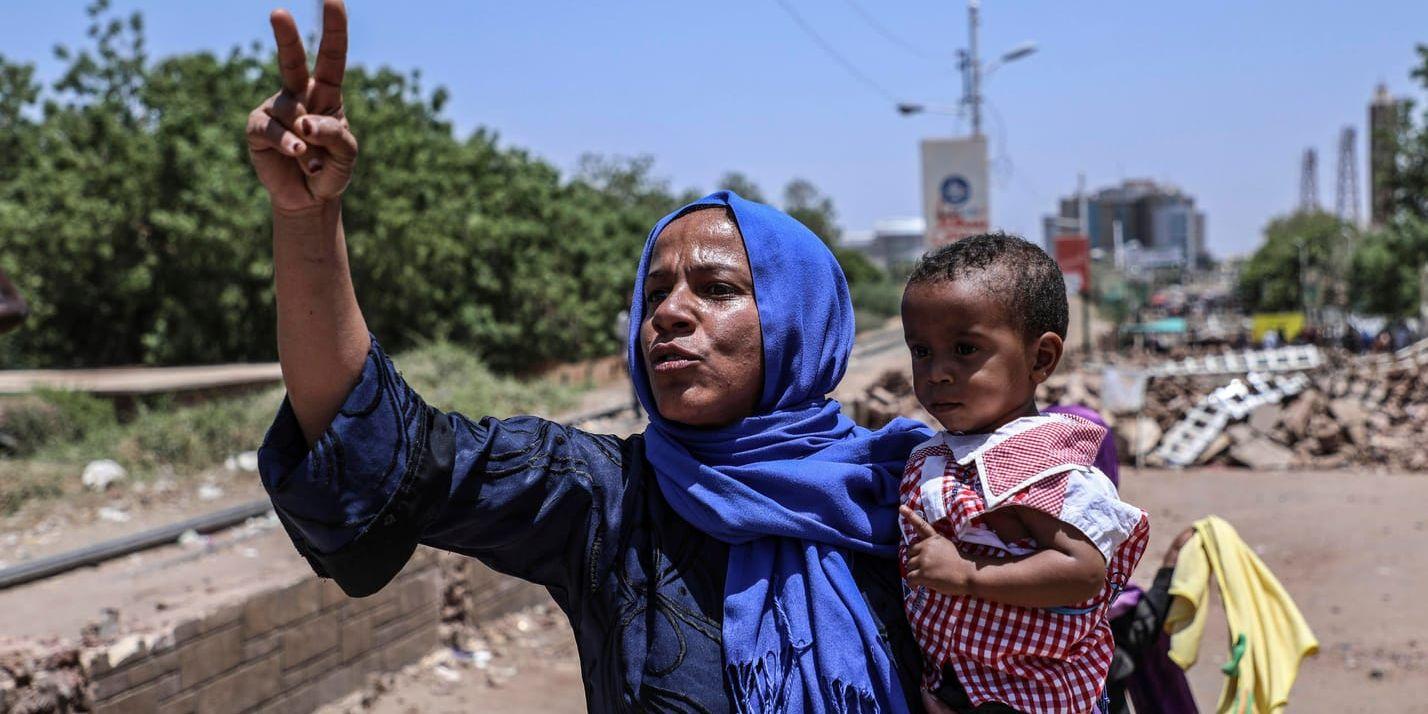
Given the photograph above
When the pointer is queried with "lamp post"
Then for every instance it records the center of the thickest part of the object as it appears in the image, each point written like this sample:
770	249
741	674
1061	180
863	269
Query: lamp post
974	72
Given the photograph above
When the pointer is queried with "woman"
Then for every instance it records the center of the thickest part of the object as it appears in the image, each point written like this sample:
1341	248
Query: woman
736	556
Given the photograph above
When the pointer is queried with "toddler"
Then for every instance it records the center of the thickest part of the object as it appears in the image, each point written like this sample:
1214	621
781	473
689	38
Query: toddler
1014	543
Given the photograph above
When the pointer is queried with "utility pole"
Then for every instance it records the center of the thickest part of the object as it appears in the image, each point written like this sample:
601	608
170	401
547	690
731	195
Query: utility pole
972	67
1082	211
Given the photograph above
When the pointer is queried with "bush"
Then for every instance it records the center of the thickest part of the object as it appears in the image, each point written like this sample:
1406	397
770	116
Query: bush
53	416
882	298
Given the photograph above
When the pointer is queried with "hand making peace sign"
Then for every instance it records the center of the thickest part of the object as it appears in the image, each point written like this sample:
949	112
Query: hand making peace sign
298	139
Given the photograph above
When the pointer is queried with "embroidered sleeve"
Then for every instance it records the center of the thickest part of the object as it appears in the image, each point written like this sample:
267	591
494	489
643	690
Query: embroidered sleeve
392	472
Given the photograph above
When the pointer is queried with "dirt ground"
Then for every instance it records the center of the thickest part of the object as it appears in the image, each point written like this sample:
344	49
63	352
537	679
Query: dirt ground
1351	548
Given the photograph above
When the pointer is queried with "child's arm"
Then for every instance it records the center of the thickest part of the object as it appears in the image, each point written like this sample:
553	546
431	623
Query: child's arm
1068	569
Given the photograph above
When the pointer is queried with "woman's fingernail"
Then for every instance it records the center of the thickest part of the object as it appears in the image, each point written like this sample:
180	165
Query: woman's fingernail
306	126
314	165
298	148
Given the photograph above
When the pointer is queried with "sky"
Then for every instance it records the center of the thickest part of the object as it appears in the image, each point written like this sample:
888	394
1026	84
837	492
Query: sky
1217	97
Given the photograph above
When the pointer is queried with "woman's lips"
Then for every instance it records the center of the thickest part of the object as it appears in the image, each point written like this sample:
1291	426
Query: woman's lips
673	364
937	407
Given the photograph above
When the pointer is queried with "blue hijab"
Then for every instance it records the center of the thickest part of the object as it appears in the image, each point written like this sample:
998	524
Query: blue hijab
793	489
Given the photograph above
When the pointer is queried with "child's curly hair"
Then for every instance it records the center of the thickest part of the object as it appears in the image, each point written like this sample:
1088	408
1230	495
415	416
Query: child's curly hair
1021	275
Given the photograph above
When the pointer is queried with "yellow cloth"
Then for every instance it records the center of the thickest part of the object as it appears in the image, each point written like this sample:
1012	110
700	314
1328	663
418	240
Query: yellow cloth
1268	636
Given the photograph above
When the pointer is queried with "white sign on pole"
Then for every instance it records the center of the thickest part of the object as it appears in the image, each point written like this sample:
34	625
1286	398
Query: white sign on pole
955	189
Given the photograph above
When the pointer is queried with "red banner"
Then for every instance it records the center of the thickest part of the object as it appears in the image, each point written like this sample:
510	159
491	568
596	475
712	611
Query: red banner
1073	254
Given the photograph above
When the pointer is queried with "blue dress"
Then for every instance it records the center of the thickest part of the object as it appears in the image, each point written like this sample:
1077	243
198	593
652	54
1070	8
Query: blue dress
578	513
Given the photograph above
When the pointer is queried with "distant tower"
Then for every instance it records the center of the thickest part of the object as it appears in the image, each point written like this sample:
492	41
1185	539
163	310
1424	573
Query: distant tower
1387	117
1346	198
1309	182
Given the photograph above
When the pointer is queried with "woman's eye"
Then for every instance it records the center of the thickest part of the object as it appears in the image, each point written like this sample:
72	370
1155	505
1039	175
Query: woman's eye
965	349
918	351
655	296
719	289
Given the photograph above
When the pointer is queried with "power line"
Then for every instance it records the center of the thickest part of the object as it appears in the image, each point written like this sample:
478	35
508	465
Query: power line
834	55
888	35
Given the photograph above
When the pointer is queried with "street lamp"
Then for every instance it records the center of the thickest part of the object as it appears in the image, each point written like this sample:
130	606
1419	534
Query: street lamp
1024	49
973	72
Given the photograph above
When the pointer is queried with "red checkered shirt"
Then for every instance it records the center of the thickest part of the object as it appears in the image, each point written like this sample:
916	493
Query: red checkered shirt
1034	659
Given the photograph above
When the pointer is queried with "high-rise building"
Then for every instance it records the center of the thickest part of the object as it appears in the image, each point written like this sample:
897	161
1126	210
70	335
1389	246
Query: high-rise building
1161	220
1387	117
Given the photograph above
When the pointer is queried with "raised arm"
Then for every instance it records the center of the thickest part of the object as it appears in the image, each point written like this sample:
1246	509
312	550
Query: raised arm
303	152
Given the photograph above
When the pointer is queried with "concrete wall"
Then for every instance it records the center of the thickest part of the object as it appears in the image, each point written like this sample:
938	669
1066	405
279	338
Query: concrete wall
289	649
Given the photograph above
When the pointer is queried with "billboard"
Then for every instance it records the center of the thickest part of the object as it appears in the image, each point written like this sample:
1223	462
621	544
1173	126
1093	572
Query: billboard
955	198
1073	254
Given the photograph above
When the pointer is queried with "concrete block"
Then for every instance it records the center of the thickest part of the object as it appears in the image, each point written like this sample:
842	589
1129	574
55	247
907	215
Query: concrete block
1262	454
298	701
383	613
356	636
331	594
169	685
410	647
338	683
182	704
242	688
1348	411
203	659
133	675
255	648
309	672
264	613
140	700
309	639
1265	418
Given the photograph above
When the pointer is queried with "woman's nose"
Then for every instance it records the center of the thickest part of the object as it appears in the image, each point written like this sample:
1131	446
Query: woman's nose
675	313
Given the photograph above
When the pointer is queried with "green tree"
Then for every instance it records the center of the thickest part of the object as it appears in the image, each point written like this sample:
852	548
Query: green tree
130	218
803	201
1384	276
1272	279
737	182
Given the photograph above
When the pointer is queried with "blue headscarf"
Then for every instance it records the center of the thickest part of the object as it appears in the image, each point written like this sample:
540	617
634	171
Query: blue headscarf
793	489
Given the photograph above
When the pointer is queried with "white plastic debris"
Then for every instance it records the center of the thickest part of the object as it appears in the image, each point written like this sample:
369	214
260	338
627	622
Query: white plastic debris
209	492
246	461
113	515
191	539
446	674
99	474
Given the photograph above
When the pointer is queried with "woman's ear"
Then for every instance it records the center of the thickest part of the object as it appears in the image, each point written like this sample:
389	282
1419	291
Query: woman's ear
1046	356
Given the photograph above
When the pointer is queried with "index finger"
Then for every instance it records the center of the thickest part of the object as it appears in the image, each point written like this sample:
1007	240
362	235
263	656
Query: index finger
292	60
332	53
922	527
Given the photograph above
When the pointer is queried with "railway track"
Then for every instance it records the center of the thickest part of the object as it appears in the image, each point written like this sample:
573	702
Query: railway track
869	344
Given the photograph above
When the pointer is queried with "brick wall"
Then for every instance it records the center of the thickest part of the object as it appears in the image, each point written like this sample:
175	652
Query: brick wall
285	650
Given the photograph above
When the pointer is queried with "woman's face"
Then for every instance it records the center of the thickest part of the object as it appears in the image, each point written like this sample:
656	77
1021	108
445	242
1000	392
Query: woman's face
700	338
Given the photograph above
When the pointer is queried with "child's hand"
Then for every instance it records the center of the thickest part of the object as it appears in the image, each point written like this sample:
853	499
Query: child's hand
934	561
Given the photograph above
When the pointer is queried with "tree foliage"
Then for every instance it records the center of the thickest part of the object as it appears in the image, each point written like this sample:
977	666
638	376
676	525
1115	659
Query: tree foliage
1385	269
1384	276
1274	279
131	220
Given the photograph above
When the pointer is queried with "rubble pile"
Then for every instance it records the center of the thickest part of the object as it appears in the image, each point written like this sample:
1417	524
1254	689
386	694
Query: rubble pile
36	679
1342	412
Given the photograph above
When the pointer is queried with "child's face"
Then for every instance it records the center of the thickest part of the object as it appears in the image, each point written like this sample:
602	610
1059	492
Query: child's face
972	367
